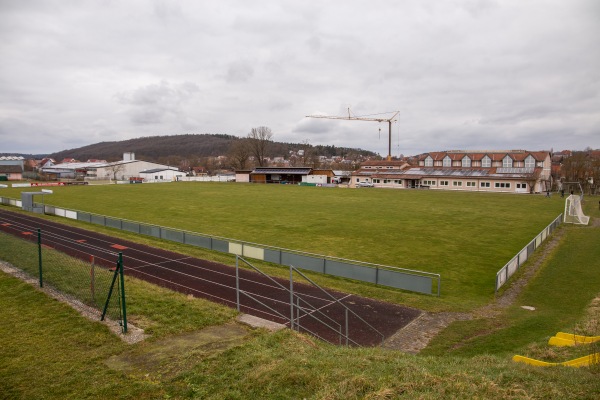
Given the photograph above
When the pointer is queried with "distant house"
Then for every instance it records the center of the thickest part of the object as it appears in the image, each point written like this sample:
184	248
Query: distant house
12	160
291	175
161	175
243	175
517	171
286	175
72	170
384	173
11	168
11	173
46	162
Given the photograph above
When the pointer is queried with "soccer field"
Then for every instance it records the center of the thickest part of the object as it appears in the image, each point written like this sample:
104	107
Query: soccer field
465	237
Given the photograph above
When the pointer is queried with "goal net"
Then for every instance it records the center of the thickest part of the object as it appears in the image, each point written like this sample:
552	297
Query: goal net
573	213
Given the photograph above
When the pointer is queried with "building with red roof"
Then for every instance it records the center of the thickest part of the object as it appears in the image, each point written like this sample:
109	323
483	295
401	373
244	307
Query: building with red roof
516	171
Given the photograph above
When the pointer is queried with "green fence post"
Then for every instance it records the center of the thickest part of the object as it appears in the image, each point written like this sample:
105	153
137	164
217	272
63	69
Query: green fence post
110	290
39	232
123	293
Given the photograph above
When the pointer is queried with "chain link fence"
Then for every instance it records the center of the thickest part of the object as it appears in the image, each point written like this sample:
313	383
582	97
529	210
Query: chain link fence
76	277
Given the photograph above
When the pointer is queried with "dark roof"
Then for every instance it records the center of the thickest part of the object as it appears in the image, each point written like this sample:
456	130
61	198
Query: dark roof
151	171
10	169
283	171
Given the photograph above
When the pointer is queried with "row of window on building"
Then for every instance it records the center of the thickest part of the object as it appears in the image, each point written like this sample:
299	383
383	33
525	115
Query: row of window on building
469	184
485	162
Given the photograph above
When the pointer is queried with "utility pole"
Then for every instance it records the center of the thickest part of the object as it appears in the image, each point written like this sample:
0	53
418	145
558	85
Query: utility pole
351	118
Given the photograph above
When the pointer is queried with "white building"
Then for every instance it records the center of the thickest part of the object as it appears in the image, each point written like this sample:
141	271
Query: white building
161	175
123	170
128	168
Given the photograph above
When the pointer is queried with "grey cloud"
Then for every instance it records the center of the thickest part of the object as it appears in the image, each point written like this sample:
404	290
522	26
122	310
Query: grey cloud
506	74
151	104
239	72
314	125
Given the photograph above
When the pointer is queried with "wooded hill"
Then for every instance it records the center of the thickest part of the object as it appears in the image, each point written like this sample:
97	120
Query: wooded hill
190	147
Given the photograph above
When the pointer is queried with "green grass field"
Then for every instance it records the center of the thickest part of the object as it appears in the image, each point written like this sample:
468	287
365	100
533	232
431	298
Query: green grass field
465	237
49	351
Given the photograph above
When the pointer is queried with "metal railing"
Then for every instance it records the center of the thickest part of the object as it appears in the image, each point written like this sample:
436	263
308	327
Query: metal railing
519	259
302	306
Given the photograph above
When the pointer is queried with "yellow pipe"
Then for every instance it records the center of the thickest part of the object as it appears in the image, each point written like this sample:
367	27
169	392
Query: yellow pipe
577	362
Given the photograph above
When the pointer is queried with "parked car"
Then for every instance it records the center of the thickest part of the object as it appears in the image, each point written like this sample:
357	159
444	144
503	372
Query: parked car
364	184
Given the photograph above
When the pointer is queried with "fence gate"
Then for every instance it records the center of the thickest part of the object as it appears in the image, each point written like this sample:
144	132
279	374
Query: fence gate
313	310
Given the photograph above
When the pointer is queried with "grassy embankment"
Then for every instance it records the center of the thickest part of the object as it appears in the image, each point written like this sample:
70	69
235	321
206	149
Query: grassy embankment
465	237
49	351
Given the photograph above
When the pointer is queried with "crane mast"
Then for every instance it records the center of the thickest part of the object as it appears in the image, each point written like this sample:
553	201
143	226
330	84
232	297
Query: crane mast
351	118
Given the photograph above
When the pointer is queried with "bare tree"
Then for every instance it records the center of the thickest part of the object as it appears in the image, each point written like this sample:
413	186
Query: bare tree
115	169
311	158
532	179
258	141
239	154
583	167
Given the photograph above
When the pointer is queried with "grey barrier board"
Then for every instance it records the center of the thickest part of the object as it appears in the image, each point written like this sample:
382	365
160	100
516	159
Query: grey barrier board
175	236
49	209
273	256
385	277
400	280
220	245
530	248
150	230
199	241
352	271
81	216
112	223
303	262
97	219
131	227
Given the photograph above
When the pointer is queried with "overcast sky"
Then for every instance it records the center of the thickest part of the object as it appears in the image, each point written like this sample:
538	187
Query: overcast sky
464	74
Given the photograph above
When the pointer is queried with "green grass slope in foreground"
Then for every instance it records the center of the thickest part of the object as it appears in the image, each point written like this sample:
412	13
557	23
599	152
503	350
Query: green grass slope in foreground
51	352
465	237
562	289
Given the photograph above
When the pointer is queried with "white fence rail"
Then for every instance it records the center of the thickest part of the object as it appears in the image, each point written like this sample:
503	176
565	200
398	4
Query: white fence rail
515	263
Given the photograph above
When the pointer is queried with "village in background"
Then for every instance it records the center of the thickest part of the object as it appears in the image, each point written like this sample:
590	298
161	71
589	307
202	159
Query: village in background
258	159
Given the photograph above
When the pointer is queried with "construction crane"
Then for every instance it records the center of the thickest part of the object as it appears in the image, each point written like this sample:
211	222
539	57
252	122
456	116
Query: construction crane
351	118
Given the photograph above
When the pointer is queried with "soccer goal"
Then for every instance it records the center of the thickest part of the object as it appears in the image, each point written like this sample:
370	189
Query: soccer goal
573	213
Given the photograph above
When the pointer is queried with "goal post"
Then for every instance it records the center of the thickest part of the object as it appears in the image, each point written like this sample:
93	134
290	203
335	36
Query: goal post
573	213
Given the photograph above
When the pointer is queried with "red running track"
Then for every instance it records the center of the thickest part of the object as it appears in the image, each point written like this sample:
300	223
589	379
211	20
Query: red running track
266	297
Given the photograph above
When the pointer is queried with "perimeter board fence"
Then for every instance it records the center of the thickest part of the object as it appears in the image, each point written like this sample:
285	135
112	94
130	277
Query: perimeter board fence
519	259
399	278
73	274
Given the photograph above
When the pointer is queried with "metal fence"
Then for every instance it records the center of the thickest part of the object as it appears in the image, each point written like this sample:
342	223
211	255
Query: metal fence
319	314
515	263
399	278
73	274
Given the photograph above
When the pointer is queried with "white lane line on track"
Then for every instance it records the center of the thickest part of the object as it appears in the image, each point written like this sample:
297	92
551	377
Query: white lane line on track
159	263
